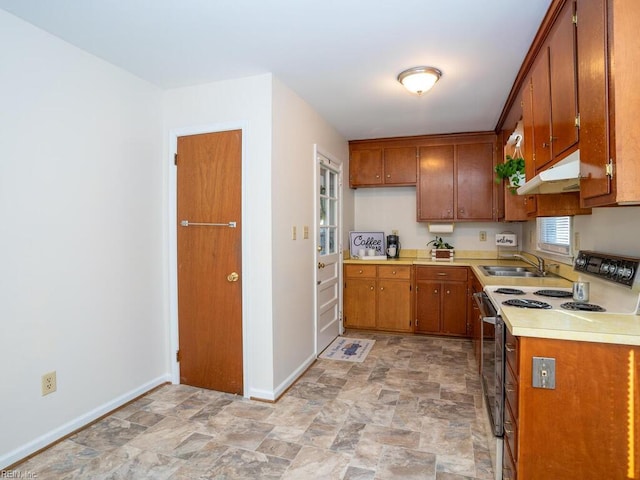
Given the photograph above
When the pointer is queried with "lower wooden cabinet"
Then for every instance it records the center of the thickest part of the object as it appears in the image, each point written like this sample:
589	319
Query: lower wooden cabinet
475	319
378	297
587	426
442	300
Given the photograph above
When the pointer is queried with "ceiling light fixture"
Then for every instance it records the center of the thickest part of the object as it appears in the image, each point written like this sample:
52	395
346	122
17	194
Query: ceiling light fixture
419	79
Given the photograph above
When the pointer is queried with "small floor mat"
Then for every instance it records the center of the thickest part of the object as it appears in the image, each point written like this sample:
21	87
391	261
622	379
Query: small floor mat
348	349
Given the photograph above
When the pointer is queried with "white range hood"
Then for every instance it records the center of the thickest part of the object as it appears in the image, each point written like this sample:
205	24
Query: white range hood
563	177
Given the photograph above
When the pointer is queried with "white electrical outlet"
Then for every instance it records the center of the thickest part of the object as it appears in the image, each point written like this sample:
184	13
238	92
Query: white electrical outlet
483	236
305	232
49	383
294	233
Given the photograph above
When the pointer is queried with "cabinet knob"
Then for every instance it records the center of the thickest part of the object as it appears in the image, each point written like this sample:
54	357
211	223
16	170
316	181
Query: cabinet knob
461	210
359	271
371	287
393	273
507	429
381	288
388	176
448	292
377	176
435	291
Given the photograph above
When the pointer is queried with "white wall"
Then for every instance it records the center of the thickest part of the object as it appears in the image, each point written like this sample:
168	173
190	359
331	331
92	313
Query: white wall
81	243
609	230
394	208
278	167
244	102
296	128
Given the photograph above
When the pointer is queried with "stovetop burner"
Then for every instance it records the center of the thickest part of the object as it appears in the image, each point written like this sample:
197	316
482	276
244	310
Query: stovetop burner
586	307
526	303
509	291
554	293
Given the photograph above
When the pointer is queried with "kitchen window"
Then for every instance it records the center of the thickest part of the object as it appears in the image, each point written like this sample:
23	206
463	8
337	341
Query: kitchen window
554	235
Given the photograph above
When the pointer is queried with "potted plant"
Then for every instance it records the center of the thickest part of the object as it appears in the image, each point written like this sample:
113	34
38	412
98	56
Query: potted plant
441	250
513	170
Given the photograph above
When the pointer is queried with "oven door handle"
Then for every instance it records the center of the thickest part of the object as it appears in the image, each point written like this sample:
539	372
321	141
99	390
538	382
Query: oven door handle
480	298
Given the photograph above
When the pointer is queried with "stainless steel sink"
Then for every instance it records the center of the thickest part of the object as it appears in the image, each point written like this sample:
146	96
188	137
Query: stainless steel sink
509	271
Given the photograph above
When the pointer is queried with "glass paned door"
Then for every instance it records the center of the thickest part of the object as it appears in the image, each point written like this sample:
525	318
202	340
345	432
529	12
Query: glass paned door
328	272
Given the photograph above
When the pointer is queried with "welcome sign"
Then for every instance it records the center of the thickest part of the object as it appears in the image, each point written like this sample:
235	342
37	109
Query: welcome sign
358	240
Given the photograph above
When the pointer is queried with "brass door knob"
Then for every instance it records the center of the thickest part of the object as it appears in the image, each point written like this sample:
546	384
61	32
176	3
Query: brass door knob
321	265
233	277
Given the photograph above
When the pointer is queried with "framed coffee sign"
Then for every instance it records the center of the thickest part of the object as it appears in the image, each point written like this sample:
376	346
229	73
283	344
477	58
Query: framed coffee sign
369	243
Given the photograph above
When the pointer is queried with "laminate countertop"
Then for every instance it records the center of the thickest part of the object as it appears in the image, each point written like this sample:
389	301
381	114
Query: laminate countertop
603	327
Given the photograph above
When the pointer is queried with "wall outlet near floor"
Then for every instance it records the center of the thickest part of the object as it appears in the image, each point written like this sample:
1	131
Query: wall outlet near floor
49	383
483	236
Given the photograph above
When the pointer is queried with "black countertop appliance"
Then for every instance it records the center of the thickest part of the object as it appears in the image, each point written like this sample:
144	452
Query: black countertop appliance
393	246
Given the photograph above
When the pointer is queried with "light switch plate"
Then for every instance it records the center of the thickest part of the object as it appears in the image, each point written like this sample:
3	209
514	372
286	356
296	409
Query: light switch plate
544	373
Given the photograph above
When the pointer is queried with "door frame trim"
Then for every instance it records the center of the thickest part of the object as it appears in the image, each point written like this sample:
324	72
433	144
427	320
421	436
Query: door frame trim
172	241
318	150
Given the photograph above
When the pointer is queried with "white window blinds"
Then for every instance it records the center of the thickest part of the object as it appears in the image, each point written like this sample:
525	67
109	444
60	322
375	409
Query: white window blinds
554	235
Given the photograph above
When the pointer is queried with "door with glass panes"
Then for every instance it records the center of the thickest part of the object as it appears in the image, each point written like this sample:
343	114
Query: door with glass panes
328	248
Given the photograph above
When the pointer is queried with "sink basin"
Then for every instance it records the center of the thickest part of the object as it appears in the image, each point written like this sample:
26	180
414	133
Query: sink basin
509	271
500	268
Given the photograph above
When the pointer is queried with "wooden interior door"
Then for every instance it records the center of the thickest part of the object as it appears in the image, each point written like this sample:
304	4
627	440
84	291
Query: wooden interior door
209	200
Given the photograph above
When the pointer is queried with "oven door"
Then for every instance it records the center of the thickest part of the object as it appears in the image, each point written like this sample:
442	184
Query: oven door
492	367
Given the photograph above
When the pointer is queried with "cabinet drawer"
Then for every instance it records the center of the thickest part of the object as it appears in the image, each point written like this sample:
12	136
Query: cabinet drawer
360	271
510	430
509	468
511	390
441	273
511	350
391	271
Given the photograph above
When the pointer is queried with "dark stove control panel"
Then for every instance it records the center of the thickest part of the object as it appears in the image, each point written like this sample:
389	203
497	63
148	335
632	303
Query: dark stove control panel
621	270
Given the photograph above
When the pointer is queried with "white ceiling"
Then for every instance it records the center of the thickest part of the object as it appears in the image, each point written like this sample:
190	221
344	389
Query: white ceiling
341	56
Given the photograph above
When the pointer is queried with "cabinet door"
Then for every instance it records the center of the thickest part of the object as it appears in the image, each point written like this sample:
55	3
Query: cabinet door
474	181
427	306
394	305
594	107
563	82
365	167
435	183
400	166
360	303
541	112
515	206
454	308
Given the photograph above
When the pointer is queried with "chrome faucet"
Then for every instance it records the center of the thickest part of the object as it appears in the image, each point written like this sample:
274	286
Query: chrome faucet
540	266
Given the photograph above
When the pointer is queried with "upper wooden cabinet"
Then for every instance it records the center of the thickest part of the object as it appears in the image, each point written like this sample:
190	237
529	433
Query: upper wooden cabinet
373	165
605	58
455	179
609	101
554	94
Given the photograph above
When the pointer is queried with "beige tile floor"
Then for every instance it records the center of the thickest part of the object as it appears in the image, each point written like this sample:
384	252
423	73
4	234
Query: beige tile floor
411	410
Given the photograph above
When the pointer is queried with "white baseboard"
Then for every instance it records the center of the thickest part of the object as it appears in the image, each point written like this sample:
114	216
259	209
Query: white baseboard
290	380
77	423
269	395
